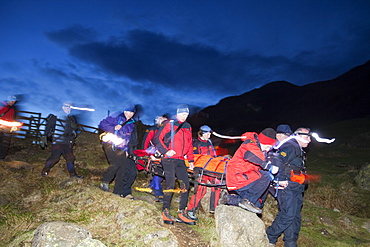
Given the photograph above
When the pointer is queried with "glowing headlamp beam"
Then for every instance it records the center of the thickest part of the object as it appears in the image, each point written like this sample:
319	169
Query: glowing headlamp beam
10	124
319	139
112	138
82	108
227	137
297	137
314	135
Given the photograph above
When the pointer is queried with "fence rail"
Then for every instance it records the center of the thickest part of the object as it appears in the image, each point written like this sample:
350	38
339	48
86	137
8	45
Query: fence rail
34	124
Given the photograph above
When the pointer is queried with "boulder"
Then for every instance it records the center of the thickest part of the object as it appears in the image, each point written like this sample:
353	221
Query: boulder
238	227
62	234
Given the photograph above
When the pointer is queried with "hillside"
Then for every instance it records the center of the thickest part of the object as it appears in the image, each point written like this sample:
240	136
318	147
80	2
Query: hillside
313	105
335	211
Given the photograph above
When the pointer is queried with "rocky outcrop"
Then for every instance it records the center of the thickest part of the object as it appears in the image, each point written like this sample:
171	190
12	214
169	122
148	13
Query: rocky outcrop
63	234
363	177
238	227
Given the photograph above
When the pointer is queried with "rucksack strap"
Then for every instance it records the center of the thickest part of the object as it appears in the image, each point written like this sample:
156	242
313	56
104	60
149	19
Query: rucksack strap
2	114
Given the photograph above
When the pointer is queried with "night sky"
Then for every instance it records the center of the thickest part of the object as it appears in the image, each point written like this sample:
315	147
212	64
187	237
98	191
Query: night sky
158	54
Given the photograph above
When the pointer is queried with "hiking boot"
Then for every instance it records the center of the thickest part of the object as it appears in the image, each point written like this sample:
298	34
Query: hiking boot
191	214
246	204
167	217
77	176
104	186
182	217
45	171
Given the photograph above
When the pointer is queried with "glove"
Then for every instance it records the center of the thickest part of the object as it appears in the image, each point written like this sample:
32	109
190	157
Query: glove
274	169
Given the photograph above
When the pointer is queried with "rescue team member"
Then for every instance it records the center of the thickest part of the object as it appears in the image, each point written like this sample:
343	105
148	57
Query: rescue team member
120	126
7	113
247	172
203	145
175	143
156	182
290	161
283	131
62	134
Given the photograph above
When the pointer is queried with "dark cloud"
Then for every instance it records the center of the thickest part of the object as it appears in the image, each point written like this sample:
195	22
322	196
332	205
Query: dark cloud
155	59
146	56
72	35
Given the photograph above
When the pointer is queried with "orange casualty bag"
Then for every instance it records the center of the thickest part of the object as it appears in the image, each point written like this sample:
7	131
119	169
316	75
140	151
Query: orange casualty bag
209	163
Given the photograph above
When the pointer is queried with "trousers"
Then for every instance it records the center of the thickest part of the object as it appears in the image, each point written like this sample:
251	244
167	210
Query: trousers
121	169
288	219
175	168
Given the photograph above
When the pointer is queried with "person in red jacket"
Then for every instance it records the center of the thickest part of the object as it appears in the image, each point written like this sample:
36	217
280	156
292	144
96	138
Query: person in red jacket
203	145
174	142
247	172
7	113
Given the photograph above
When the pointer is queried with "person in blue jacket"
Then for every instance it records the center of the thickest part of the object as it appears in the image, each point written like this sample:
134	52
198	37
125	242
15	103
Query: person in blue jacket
291	181
119	142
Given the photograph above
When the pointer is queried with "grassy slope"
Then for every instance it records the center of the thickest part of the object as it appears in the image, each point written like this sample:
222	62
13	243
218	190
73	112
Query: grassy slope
34	200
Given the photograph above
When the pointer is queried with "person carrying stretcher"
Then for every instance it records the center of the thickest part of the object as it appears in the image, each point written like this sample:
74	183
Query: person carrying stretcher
174	142
203	145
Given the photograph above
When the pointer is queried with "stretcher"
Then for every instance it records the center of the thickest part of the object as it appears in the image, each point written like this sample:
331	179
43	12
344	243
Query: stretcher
204	165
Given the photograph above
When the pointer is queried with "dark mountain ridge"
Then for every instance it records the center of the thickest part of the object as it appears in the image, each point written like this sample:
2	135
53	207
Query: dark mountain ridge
312	105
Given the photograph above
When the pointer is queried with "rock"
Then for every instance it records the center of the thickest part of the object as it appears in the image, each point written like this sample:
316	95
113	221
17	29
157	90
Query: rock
59	234
346	222
238	227
366	226
326	220
363	177
89	242
324	232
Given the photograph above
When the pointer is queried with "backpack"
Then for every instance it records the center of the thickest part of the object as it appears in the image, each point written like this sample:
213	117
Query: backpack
50	122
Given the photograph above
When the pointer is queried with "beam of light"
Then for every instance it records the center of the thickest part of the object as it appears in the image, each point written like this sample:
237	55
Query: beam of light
319	139
149	190
297	137
289	138
110	137
82	108
10	124
227	137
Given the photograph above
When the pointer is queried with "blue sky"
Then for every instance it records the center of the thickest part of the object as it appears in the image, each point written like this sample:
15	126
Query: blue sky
158	54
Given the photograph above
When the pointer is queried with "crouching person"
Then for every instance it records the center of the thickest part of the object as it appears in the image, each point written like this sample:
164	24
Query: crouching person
246	173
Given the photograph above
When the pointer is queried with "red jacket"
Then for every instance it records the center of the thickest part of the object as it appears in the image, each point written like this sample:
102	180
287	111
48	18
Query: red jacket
182	144
148	136
203	147
9	115
244	167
